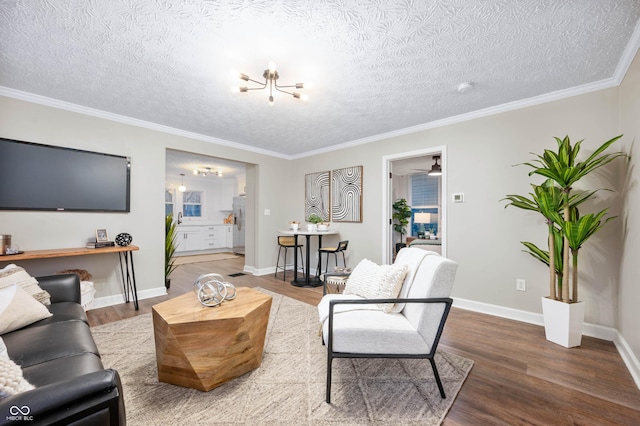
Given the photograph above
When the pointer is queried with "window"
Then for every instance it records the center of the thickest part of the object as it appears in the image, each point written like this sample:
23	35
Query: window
168	202
192	204
425	198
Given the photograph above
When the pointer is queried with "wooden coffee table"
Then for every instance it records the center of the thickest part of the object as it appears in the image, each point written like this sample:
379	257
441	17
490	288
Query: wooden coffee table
203	347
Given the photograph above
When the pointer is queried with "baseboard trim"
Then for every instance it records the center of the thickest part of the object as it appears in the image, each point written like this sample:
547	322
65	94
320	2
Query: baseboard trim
116	299
592	330
628	357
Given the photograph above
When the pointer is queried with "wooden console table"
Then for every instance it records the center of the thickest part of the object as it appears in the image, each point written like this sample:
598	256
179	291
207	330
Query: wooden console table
125	253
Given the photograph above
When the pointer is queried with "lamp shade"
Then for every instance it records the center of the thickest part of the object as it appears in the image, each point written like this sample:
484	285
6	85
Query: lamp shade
422	218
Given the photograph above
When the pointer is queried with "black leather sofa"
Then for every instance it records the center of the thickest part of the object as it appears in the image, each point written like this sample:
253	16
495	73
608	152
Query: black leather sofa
59	357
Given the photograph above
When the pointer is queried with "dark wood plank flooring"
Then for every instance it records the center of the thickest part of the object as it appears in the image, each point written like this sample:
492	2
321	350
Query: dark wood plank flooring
518	378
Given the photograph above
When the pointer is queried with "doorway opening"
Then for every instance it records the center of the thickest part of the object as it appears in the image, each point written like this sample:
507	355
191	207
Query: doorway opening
205	193
406	176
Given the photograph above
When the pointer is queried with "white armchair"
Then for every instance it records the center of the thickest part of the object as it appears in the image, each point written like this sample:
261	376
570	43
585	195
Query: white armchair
356	327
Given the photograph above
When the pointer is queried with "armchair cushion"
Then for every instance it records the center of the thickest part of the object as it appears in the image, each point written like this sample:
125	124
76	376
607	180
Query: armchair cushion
373	332
413	258
323	306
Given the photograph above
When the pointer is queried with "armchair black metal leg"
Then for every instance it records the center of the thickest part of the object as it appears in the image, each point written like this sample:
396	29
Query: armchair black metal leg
328	395
435	373
344	260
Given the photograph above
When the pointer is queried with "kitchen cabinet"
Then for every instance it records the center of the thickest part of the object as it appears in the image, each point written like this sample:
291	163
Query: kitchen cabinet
214	237
204	238
189	239
226	194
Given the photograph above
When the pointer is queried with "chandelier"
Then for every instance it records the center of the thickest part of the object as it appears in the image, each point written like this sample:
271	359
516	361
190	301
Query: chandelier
207	171
271	77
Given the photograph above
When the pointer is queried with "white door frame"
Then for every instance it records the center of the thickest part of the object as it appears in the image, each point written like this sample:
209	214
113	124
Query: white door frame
387	228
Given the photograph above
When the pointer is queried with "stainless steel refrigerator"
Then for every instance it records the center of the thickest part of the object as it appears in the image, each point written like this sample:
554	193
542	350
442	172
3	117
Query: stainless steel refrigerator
238	224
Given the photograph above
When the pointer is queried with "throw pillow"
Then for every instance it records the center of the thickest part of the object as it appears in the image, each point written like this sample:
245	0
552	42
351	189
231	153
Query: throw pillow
18	309
11	379
12	274
3	349
374	281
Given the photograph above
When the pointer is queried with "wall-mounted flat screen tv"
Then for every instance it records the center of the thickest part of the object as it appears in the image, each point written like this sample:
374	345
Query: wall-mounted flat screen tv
44	177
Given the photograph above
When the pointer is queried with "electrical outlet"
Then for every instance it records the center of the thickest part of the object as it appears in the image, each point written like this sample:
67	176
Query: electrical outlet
521	285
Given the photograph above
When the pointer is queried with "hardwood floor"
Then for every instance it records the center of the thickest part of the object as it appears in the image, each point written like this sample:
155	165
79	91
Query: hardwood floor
518	377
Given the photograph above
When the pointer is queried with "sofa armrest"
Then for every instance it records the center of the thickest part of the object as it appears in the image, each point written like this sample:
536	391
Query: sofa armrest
96	395
61	287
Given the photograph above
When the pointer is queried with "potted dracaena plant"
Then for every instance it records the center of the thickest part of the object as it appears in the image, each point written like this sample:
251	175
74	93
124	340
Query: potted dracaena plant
170	236
567	231
401	215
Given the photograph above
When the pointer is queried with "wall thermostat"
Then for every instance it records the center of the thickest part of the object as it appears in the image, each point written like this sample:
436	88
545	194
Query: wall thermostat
458	197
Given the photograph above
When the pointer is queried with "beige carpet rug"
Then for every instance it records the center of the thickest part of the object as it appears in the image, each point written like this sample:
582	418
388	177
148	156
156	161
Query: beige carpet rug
289	386
183	260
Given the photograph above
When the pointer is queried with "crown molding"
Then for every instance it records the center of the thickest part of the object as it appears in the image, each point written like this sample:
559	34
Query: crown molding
628	55
498	109
615	81
68	106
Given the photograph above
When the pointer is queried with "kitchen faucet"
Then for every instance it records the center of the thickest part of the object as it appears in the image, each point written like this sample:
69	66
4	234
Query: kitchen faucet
179	218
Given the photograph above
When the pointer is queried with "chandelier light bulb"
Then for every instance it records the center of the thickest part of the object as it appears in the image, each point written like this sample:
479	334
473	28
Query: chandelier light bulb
272	67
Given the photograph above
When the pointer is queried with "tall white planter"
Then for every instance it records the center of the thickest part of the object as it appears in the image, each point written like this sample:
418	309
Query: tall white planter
563	322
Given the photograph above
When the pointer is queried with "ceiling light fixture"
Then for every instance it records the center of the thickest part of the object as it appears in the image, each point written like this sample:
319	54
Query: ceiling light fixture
207	171
182	188
436	170
271	77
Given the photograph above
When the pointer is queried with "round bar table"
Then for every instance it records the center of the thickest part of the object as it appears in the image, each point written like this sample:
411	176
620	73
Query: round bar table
308	280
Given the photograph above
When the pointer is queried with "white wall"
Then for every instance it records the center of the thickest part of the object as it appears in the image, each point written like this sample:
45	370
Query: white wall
45	230
629	289
483	236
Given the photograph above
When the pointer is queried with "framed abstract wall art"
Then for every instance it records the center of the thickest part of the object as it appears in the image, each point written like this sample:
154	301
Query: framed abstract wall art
317	199
346	194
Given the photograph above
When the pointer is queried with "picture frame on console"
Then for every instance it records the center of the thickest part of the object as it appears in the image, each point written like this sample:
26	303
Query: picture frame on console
101	236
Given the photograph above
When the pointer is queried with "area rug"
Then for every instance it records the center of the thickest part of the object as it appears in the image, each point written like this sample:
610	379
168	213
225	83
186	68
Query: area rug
289	387
196	258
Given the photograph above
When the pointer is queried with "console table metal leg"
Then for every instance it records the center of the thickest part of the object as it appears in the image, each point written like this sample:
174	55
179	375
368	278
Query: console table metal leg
133	279
125	290
128	278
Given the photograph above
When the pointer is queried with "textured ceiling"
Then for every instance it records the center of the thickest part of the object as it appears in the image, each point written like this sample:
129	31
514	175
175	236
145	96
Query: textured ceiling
377	66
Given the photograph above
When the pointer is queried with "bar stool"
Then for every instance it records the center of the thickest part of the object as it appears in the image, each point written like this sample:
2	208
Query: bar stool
287	242
342	247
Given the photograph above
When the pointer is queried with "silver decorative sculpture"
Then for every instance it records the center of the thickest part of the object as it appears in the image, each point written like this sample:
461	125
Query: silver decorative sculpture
212	290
